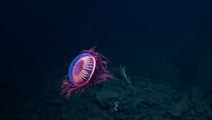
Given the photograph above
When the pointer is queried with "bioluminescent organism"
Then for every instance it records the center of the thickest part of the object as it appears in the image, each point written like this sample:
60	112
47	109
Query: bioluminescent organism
87	69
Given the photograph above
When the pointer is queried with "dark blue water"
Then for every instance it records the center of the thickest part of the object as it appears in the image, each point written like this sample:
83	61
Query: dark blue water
166	47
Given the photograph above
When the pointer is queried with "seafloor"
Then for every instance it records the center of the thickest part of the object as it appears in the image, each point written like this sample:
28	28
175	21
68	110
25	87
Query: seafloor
113	100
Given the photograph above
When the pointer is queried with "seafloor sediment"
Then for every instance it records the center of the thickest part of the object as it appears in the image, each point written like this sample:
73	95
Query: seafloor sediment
112	100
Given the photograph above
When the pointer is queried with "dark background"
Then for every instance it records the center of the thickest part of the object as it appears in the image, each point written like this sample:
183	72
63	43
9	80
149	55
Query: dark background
145	35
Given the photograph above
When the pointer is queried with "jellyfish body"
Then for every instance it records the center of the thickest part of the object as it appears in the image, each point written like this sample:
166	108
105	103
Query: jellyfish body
81	69
87	69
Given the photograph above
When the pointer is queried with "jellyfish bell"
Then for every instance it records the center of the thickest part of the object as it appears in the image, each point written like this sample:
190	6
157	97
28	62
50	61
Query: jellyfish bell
87	69
81	69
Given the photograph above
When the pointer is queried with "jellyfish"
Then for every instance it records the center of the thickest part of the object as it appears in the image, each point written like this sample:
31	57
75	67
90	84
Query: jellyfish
87	69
